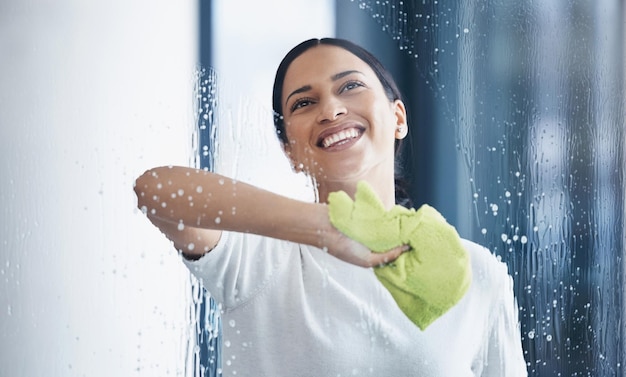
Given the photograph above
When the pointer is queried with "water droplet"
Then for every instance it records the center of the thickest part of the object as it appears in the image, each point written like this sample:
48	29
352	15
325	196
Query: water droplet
524	239
181	226
483	230
180	192
531	334
231	323
191	246
218	220
504	237
199	189
466	30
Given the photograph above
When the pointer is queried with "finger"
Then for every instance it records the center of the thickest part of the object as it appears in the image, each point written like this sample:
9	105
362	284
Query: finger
377	259
360	252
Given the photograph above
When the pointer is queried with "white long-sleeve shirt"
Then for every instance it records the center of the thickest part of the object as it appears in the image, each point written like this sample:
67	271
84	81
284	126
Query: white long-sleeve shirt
294	310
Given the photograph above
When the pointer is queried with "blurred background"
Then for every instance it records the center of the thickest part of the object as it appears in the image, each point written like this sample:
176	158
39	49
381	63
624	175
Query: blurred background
517	135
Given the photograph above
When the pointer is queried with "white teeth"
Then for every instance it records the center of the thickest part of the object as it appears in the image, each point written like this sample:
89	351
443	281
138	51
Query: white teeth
340	136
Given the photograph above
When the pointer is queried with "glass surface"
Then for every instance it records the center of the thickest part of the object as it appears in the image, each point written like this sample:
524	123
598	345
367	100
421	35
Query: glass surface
536	92
92	95
534	89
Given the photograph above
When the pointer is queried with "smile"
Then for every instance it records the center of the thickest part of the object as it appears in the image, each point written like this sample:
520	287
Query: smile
340	137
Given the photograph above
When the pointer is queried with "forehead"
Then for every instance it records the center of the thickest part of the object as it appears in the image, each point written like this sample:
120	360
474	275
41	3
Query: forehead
319	64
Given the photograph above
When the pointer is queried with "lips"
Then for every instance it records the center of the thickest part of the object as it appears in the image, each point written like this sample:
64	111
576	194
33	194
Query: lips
336	137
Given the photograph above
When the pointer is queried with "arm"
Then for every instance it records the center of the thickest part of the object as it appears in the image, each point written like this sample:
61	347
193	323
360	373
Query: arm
192	206
191	242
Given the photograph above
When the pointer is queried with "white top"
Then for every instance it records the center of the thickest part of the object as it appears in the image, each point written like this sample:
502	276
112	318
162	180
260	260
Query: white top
294	310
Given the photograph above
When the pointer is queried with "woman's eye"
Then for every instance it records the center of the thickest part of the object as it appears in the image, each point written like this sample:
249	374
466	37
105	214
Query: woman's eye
304	102
351	85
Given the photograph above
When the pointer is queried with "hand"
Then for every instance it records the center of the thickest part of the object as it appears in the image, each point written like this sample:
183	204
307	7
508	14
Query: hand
351	251
367	221
426	282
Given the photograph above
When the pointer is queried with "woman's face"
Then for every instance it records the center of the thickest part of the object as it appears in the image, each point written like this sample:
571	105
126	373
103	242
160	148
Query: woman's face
339	123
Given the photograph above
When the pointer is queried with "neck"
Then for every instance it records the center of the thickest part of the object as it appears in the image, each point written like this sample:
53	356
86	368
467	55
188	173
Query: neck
383	184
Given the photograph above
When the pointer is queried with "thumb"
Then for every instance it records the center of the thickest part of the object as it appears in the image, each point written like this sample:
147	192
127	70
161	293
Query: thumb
379	259
340	207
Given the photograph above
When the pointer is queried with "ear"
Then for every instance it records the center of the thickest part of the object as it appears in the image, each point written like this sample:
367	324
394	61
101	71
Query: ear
402	127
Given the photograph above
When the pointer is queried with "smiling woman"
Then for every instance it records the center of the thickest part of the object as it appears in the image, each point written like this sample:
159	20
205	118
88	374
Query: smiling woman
347	82
289	281
339	123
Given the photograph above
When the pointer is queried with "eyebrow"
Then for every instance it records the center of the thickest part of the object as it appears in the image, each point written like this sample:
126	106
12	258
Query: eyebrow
334	77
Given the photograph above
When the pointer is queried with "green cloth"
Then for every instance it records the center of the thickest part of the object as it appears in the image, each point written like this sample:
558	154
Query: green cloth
425	281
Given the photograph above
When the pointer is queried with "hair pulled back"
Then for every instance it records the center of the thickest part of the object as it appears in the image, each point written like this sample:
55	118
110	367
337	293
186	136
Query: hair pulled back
388	83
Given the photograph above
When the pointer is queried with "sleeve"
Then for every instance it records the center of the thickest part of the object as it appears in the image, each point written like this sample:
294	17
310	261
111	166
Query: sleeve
239	267
504	354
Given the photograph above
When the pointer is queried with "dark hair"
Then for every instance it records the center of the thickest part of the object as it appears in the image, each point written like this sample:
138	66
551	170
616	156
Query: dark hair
389	86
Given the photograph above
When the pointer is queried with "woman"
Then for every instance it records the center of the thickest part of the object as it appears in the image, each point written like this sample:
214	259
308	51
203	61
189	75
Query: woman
298	297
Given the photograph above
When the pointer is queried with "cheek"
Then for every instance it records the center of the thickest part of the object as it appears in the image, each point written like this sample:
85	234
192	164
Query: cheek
385	134
297	140
297	132
386	120
292	134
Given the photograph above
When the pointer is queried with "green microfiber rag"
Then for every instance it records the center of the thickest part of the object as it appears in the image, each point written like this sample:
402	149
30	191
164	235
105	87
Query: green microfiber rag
425	281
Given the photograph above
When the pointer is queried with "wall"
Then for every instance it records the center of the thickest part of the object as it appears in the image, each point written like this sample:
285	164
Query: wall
93	93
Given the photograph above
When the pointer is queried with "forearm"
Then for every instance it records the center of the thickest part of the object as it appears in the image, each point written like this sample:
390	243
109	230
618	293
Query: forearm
185	197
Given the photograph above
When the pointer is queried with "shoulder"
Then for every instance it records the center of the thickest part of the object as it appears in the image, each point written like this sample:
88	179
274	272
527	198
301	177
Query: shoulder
489	273
237	240
239	255
242	265
483	260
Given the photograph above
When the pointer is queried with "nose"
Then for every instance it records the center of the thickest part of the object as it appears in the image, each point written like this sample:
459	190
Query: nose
331	109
